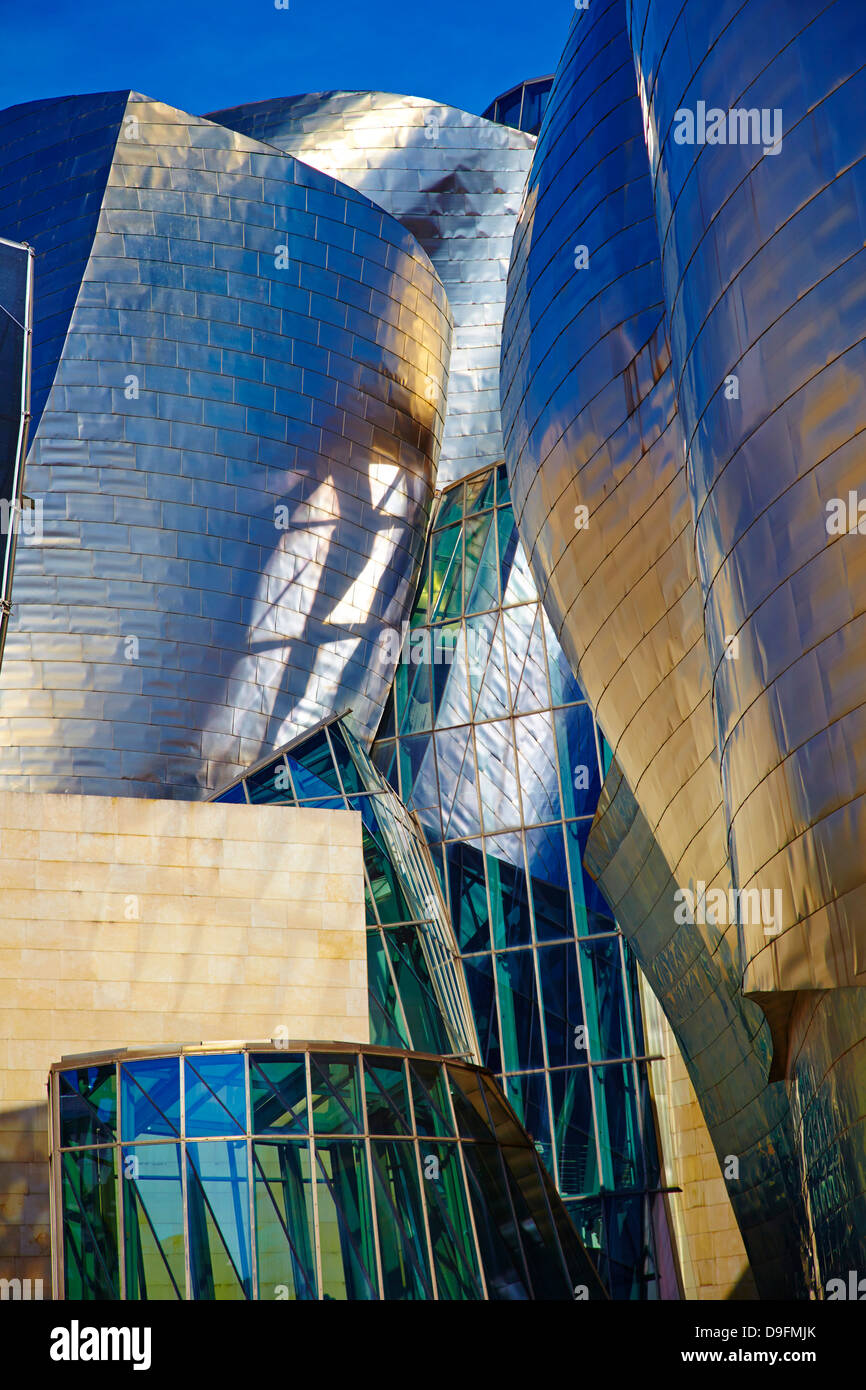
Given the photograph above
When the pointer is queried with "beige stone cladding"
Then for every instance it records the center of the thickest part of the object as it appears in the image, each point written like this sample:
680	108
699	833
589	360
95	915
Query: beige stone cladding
129	923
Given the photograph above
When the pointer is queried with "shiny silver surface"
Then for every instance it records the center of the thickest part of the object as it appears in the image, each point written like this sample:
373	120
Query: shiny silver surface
236	446
768	286
16	332
591	420
455	180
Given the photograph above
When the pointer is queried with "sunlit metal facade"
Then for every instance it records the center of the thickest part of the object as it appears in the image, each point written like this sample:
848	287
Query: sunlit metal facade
240	370
455	181
679	348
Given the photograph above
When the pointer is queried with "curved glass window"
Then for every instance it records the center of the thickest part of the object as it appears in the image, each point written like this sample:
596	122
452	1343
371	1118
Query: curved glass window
307	1173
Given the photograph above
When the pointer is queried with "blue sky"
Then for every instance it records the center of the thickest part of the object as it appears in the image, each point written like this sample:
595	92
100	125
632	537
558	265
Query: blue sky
203	54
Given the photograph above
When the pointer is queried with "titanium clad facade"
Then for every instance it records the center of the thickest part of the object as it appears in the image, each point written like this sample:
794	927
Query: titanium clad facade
767	288
590	412
490	741
454	180
243	366
770	289
300	1173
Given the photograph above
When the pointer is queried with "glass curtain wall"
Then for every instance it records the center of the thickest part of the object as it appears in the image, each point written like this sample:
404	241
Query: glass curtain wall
487	737
301	1174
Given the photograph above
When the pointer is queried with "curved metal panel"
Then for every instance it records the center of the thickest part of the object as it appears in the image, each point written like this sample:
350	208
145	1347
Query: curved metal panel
596	459
455	180
237	455
766	293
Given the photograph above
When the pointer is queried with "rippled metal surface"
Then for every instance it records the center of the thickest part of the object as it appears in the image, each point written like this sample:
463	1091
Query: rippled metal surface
767	288
455	180
591	421
240	369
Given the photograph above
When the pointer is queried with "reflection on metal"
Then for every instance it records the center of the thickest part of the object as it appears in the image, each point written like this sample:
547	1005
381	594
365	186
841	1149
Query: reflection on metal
16	331
418	995
241	369
765	291
300	1171
489	739
590	395
455	180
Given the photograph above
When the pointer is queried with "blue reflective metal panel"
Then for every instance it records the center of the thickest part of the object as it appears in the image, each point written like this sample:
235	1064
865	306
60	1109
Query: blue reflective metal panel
225	540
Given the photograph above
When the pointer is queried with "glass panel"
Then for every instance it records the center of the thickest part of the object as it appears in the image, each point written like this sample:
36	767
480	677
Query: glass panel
479	492
607	1014
480	547
455	755
509	897
351	777
92	1268
578	759
520	586
285	1239
384	881
278	1094
219	1220
450	507
150	1098
234	794
563	685
386	1018
454	1257
473	1121
313	771
418	772
88	1106
487	666
551	898
500	799
387	1098
593	913
412	685
479	981
518	1011
215	1094
449	668
527	1093
153	1221
335	1093
387	727
618	1131
567	1040
446	569
501	1252
345	1221
539	783
468	894
427	1028
529	691
430	1098
402	1237
537	1236
271	784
